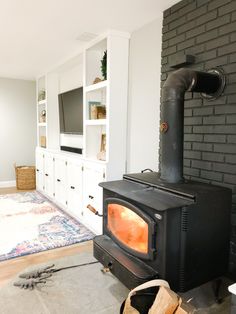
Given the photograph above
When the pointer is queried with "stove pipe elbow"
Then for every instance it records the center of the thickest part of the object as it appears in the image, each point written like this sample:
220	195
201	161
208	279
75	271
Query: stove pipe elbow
172	116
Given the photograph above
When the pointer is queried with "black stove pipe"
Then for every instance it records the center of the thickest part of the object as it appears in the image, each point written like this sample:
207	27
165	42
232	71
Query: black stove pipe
172	116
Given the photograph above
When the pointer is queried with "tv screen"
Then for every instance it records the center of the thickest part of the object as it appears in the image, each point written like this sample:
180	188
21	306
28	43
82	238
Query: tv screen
71	111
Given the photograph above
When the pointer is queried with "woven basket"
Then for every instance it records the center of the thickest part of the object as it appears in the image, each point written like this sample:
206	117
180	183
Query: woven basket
25	177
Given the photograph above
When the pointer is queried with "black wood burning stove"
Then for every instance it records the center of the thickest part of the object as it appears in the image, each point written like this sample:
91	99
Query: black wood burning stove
178	233
160	226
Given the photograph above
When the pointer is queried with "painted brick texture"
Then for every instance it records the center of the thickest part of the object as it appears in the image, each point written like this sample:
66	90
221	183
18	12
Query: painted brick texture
207	30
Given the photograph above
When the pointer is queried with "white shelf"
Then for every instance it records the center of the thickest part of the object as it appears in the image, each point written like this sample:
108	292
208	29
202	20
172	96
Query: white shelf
42	102
42	124
96	86
94	159
96	122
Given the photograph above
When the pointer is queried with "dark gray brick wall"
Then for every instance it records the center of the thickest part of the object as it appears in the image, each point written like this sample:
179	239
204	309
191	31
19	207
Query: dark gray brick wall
207	29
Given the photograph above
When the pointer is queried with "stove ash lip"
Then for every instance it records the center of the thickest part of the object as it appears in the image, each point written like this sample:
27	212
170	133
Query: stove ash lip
211	85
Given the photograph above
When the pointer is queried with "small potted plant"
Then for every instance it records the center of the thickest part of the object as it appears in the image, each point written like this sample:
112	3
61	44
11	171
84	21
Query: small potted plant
104	65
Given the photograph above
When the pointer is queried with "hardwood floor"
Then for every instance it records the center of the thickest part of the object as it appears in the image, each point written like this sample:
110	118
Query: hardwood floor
10	190
12	267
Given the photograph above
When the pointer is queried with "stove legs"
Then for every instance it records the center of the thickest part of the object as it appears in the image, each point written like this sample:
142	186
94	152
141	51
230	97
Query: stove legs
216	284
107	269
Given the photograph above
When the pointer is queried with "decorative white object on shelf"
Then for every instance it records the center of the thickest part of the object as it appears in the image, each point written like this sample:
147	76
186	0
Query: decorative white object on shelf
42	118
42	102
102	154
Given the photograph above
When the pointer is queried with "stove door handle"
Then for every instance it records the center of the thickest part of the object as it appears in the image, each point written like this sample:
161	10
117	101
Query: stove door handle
93	210
147	169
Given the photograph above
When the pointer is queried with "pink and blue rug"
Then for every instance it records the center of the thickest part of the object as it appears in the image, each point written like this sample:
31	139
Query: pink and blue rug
30	223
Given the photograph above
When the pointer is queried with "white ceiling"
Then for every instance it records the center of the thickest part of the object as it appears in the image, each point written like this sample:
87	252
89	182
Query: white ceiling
36	35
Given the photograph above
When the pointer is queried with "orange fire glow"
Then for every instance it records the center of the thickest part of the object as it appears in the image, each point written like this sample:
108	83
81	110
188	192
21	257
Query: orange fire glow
128	227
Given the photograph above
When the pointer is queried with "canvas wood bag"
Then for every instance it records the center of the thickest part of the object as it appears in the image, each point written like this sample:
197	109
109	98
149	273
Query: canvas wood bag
128	309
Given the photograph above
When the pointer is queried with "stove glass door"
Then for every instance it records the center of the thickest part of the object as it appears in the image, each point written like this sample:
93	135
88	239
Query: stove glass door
129	226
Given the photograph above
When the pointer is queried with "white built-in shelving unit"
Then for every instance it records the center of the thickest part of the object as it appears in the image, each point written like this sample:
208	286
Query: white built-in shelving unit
71	180
41	108
95	95
111	94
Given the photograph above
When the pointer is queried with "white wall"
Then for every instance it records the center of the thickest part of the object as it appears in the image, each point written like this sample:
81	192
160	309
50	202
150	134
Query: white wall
144	97
17	126
70	76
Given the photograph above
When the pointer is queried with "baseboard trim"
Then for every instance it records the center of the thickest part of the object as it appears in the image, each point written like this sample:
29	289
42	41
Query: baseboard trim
7	184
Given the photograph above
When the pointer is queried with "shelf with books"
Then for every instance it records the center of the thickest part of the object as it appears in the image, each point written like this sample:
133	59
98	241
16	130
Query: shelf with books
96	101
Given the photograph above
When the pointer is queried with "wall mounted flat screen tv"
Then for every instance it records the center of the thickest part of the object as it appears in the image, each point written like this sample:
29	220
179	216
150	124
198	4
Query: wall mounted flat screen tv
71	111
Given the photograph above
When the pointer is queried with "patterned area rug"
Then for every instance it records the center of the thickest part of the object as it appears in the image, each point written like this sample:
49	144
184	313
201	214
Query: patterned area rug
30	223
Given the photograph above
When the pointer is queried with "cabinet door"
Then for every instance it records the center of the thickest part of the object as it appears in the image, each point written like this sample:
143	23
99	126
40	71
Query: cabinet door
92	194
39	170
49	174
60	179
74	188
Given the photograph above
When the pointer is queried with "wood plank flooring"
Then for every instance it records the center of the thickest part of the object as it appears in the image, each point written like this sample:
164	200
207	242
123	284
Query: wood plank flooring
11	190
10	268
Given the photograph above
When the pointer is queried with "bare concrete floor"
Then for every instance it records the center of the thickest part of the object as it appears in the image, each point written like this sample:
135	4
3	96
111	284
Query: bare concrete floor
203	298
80	290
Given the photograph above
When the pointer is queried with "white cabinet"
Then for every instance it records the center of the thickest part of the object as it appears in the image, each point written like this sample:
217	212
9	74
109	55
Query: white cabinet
60	179
40	170
93	174
74	187
59	176
45	172
49	174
